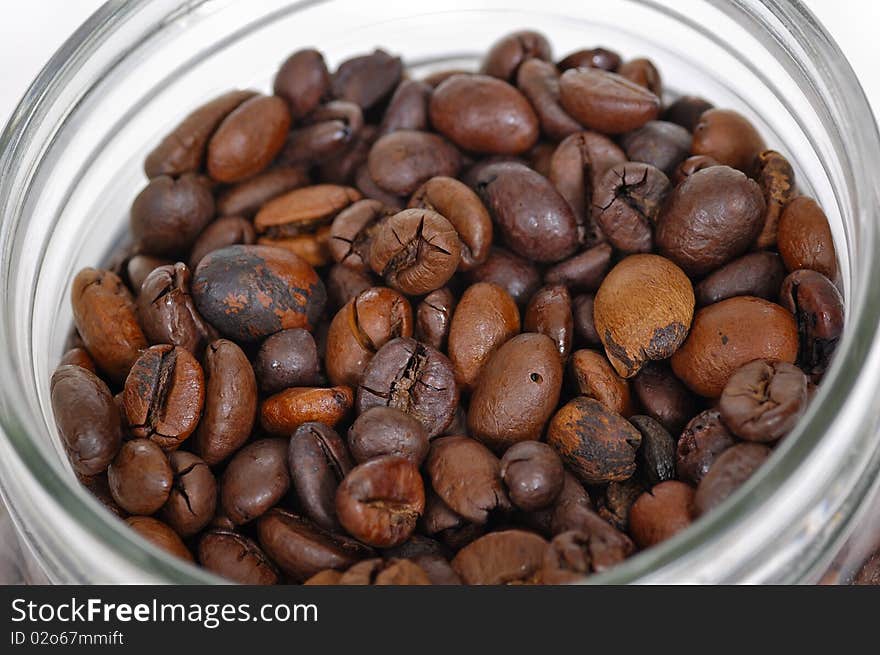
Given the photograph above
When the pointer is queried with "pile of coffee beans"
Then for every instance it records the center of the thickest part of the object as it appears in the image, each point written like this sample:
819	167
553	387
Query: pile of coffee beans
501	327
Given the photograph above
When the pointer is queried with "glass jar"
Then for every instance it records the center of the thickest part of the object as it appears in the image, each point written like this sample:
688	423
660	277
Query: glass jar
70	165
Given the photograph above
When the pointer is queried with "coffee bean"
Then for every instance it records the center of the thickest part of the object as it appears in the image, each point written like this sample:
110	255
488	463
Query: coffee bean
776	177
805	240
729	471
193	498
549	313
663	397
594	377
584	327
434	318
352	232
728	137
256	478
342	168
381	572
236	558
78	357
690	166
567	558
408	108
160	535
139	267
438	517
658	143
591	58
583	272
325	133
616	501
642	71
227	231
318	461
438	569
344	284
368	79
368	187
561	514
607	545
818	310
381	431
626	204
605	101
513	273
539	82
758	274
686	111
402	161
661	513
505	557
302	80
533	475
704	438
507	53
284	412
168	214
656	456
140	477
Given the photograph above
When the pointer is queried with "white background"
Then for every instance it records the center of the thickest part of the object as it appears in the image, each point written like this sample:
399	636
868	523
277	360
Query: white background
31	30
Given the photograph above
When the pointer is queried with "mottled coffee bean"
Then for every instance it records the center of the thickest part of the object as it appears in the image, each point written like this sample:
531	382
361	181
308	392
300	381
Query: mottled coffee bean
248	139
594	377
140	477
318	461
663	397
539	82
776	177
381	431
584	327
633	326
818	311
656	456
533	475
660	513
596	444
758	274
686	111
368	79
583	272
516	275
482	114
287	359
250	292
183	149
380	501
408	108
226	231
508	53
325	133
516	392
168	214
87	418
728	137
160	535
78	357
658	143
728	334
164	394
402	161
236	558
804	239
434	318
549	313
709	219
284	412
416	251
193	498
704	438
729	471
690	166
605	101
302	80
256	478
486	317
591	58
414	378
616	501
504	557
626	203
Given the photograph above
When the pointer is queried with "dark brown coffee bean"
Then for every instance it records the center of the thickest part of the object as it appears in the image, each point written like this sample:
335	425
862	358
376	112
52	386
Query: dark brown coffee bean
193	498
757	274
227	231
567	559
505	557
686	111
584	327
87	418
438	517
583	272
250	292
605	101
776	177
140	477
656	456
417	546
663	397
230	402
626	203
704	438
516	392
302	81
563	513
615	503
284	412
379	572
78	357
438	569
325	133
660	513
608	546
414	378
594	377
729	471
805	240
507	53
342	168
368	187
160	535
164	394
592	58
658	143
380	501
368	79
533	475
287	359
434	318
818	311
256	478
246	198
344	284
483	114
236	558
728	137
408	108
183	149
139	267
642	71
539	82
381	431
690	166
402	161
515	274
549	312
99	486
168	214
318	461
352	232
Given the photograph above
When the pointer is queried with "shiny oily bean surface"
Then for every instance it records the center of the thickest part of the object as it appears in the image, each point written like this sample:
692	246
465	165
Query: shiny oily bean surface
434	318
661	513
549	313
704	438
533	475
318	460
776	177
642	72
516	275
729	471
758	274
381	431
605	101
160	535
256	478
591	58
663	397
804	238
193	498
140	477
728	137
282	413
594	377
818	309
287	359
236	558
504	557
226	231
302	80
402	161
169	214
78	357
506	55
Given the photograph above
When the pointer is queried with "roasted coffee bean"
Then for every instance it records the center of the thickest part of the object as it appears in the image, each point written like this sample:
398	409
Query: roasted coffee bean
318	461
818	311
633	326
402	161
284	412
540	157
559	516
616	501
247	197
368	187
729	471
592	58
594	377
167	312
439	517
301	549
250	292
438	569
690	166
105	317
533	475
549	312
139	267
605	101
381	431
758	274
352	232
486	317
416	251
515	274
709	219
302	80
380	572
596	444
656	456
230	402
78	357
99	486
539	82
169	214
567	558
686	111
728	137
608	546
193	498
463	209
626	204
704	438
508	53
434	318
642	71
87	418
361	328
504	557
164	394
584	327
408	108
236	558
583	272
342	168
776	177
804	239
183	149
256	478
287	359
226	231
728	334
344	284
658	143
532	218
368	79
414	378
380	501
663	397
160	535
323	134
483	114
140	477
516	392
661	513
